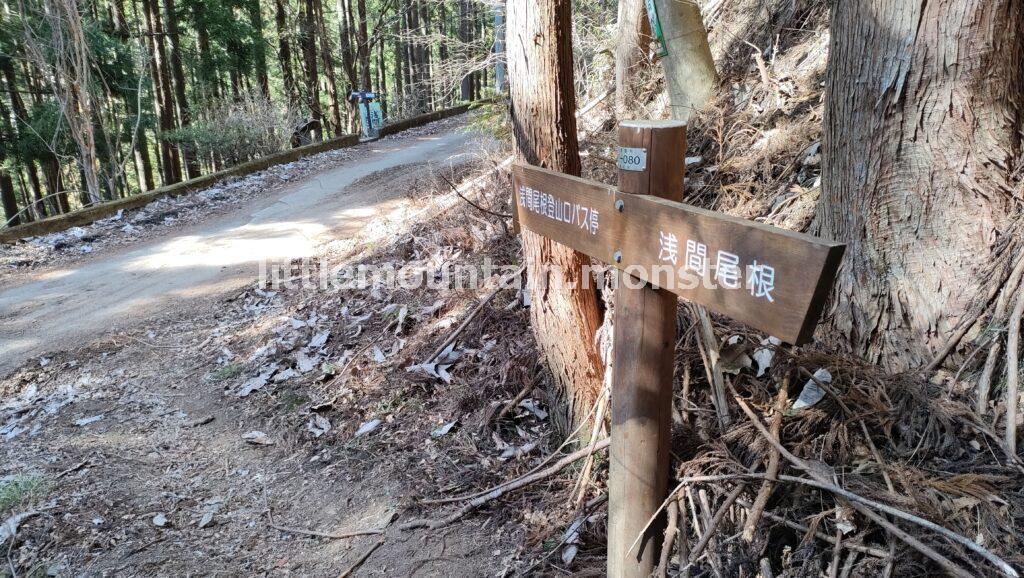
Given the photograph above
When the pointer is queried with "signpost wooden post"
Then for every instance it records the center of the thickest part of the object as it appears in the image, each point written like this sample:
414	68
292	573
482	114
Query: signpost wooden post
768	278
642	364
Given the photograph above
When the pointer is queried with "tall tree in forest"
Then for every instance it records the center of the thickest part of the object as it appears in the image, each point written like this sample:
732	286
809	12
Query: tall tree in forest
409	56
309	58
499	47
425	83
326	55
382	74
398	48
8	198
164	92
923	125
409	73
466	85
564	309
348	59
178	71
419	69
363	47
206	72
59	46
9	77
442	50
143	161
284	51
255	11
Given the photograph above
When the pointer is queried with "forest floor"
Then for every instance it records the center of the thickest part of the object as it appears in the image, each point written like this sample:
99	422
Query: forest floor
213	426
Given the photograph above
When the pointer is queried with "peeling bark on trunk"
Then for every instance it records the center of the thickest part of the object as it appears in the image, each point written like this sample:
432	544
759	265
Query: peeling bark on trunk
564	310
922	131
630	53
690	72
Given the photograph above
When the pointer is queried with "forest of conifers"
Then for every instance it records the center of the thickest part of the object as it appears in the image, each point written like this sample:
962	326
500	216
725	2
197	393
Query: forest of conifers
103	99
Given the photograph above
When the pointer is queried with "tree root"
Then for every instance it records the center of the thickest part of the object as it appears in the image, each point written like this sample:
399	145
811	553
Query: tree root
754	518
511	486
1013	375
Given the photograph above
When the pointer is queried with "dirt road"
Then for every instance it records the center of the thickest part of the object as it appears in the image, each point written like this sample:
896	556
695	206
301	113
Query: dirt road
173	418
70	305
203	426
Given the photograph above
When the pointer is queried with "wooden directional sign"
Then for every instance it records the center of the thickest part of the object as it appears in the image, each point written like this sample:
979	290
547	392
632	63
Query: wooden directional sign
765	277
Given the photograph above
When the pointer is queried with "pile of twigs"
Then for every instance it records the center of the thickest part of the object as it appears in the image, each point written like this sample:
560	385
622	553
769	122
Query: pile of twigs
884	475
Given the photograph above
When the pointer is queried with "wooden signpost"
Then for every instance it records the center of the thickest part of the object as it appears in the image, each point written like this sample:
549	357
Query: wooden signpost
765	277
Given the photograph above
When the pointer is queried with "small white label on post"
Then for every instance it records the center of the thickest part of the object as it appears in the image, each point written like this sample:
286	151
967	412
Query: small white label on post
632	159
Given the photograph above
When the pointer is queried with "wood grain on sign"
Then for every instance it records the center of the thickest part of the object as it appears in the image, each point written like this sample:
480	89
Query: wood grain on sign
665	162
780	279
573	211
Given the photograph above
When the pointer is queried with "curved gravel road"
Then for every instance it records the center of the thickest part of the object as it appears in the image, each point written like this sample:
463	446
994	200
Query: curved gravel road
72	305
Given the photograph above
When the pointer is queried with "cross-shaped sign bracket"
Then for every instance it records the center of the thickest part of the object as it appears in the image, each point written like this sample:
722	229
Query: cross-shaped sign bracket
766	277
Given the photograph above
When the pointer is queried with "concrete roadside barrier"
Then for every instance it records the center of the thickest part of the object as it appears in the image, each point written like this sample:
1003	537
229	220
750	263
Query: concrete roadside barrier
94	213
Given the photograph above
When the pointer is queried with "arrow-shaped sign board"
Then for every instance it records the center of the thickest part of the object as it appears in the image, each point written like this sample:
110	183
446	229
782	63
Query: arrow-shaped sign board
765	277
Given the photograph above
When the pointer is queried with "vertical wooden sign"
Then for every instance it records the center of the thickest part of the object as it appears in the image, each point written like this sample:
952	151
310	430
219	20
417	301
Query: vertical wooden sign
642	365
769	278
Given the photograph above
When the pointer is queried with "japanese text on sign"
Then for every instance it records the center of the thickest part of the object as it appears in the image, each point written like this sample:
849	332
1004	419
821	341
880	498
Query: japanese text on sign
760	277
769	278
547	205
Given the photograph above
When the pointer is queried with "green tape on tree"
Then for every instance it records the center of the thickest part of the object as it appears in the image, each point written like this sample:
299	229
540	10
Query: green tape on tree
656	32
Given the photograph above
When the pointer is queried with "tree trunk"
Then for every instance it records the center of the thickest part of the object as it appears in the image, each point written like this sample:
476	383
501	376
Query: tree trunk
634	37
309	58
409	56
185	116
426	63
163	92
411	26
260	52
363	47
690	74
41	202
54	183
382	76
564	310
466	85
328	61
284	52
207	74
8	199
442	51
119	19
499	48
399	50
474	76
345	33
922	130
21	116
